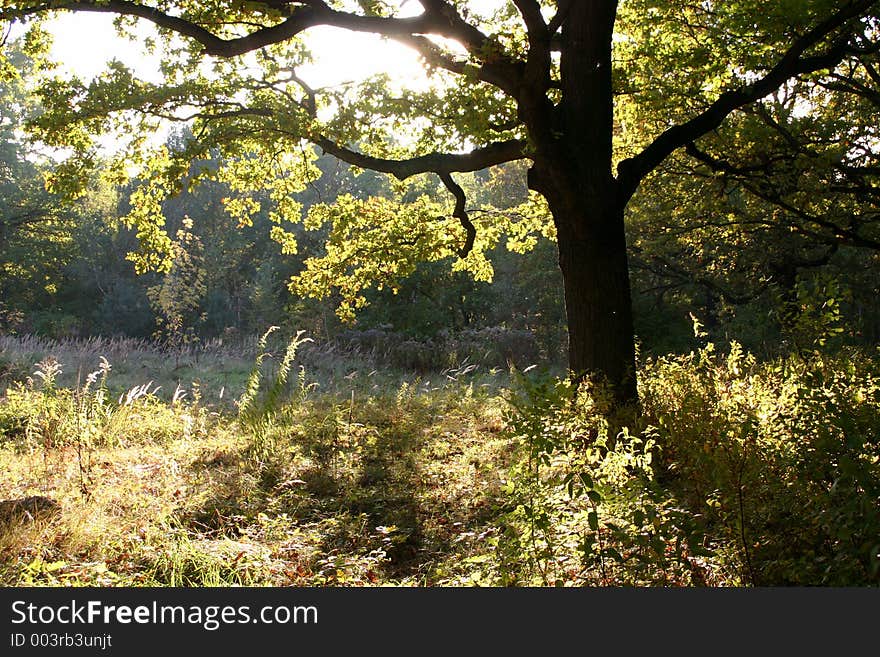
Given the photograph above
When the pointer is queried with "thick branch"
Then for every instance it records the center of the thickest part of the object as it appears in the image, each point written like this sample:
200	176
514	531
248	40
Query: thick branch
300	19
530	11
631	171
448	23
562	11
501	77
439	163
125	8
497	67
440	19
535	109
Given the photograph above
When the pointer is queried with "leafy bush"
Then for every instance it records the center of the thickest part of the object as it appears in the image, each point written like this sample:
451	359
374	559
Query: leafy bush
736	473
585	508
781	460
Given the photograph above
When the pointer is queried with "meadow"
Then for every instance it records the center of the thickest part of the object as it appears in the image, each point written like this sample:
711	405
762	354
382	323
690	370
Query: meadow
279	461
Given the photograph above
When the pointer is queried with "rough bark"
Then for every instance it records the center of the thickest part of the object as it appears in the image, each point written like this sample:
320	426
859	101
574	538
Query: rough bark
574	173
598	304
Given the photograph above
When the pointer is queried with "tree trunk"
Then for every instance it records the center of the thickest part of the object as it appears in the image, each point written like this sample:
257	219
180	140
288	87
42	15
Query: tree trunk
598	303
573	170
591	240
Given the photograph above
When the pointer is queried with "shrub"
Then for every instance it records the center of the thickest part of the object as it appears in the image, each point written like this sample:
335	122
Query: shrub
585	508
780	459
737	473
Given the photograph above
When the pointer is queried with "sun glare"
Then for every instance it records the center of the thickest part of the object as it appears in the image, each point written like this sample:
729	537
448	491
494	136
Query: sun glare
83	43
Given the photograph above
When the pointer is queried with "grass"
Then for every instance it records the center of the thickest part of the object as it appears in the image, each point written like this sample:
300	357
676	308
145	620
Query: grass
367	482
736	473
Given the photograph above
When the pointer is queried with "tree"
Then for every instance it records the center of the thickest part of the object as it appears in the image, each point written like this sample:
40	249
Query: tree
777	199
176	298
36	231
528	80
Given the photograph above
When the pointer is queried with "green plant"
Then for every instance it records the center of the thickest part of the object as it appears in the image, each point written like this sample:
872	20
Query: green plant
176	299
585	507
813	317
780	460
256	411
90	412
180	560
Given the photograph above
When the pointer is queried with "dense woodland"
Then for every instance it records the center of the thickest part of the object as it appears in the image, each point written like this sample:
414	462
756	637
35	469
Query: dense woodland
281	348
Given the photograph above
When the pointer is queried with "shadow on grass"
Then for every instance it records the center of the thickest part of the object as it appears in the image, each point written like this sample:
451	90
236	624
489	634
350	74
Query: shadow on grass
384	494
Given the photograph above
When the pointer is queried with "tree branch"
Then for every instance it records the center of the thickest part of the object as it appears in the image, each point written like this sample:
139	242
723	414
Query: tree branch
632	170
439	163
439	18
434	56
447	22
838	233
461	214
557	20
530	11
125	8
665	269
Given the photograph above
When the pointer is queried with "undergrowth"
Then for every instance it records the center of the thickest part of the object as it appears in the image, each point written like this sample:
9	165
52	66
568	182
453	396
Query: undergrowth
735	473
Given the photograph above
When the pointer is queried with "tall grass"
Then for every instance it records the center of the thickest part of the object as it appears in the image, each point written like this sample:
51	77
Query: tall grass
329	471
